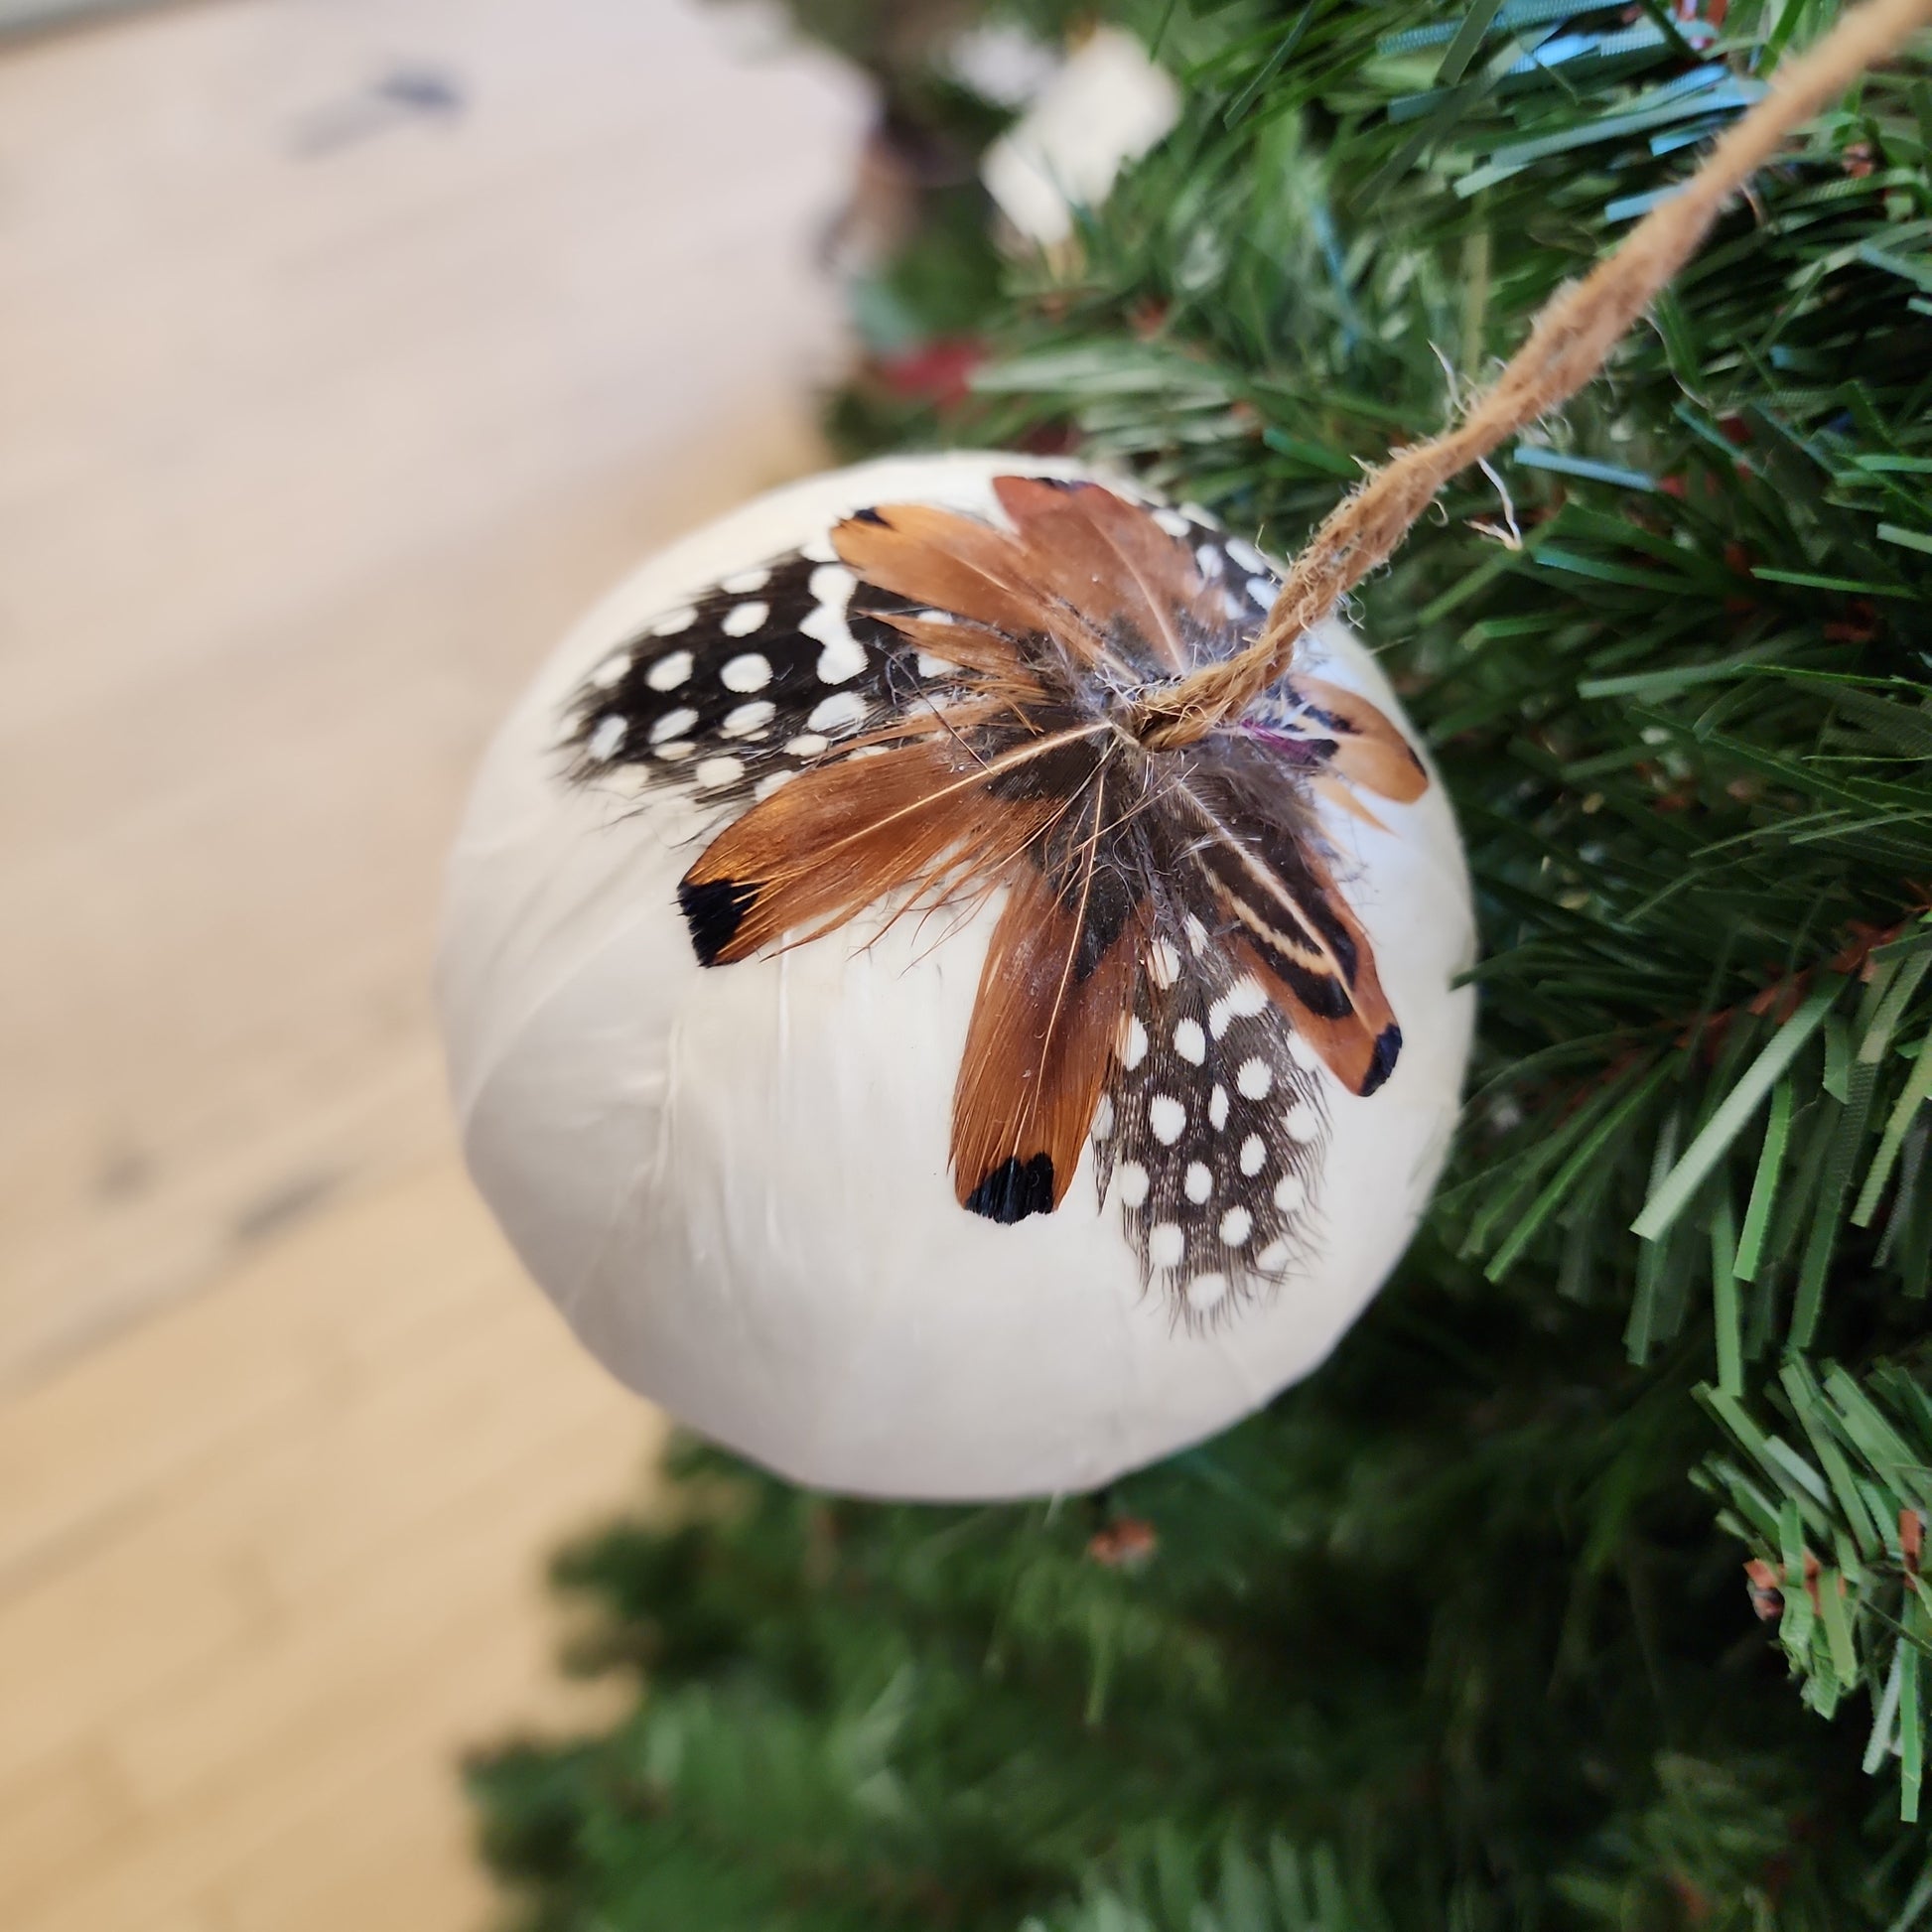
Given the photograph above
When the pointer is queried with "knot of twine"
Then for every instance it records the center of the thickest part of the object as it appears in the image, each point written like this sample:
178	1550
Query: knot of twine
1572	340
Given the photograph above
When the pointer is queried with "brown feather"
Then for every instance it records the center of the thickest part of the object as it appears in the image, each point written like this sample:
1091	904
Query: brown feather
1360	1058
1282	907
954	563
1360	1043
971	646
1369	750
835	839
1037	1050
825	846
1341	797
1111	561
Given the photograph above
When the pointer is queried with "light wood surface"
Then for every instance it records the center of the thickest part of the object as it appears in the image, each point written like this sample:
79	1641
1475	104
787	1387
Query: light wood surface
346	352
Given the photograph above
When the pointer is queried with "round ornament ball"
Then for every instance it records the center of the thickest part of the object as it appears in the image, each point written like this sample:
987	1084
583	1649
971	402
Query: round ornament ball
892	1062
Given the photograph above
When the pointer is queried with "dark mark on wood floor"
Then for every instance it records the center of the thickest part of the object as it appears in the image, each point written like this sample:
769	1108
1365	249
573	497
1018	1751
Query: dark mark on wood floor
290	1200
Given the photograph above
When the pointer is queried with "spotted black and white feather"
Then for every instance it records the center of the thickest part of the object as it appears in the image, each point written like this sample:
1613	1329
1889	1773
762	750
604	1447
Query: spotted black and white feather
929	708
730	694
1210	1132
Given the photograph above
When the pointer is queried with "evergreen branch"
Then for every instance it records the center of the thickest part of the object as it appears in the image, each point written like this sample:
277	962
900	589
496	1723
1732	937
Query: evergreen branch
1569	344
1837	1528
1671	1196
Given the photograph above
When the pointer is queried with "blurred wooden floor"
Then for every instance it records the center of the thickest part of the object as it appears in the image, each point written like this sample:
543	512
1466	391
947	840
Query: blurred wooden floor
346	352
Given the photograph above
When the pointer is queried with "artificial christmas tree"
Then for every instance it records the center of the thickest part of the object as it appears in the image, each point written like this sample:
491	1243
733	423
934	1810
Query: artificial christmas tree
1489	1623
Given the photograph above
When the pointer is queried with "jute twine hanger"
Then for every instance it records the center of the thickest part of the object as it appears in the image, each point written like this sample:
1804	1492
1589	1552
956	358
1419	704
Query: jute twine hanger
1572	340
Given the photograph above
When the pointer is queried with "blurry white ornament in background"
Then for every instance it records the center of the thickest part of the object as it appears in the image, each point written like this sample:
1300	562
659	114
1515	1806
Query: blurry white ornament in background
1001	61
1106	105
891	1066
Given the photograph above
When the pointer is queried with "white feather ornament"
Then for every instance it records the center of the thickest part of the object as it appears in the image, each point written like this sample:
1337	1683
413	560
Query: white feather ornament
879	1213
